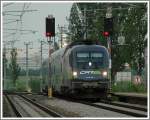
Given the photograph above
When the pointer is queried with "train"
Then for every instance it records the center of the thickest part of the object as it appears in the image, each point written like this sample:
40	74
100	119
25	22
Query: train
81	69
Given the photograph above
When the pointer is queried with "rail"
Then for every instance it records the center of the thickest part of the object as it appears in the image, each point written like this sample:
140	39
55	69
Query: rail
47	110
18	114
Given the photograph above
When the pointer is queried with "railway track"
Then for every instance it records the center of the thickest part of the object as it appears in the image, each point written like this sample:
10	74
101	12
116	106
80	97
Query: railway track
128	109
133	98
127	105
17	113
47	110
25	107
134	110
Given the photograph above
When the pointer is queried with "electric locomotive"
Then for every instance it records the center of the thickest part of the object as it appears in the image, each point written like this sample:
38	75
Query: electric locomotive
80	69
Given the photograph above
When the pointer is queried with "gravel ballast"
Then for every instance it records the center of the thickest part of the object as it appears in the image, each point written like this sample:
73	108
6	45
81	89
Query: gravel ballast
74	109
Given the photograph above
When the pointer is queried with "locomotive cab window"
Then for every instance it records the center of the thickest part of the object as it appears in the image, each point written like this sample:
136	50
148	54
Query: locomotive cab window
81	56
96	60
96	55
82	59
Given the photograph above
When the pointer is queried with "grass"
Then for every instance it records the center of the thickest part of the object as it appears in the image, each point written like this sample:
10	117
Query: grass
35	84
21	84
127	86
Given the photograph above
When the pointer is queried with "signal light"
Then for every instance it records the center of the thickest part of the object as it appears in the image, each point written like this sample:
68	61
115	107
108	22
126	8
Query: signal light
48	34
50	27
106	34
108	25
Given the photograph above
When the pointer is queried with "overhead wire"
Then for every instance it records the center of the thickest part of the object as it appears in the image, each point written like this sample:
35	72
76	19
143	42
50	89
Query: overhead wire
5	5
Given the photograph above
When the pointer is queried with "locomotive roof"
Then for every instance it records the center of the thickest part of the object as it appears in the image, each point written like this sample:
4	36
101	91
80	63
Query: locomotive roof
83	42
79	45
62	51
87	46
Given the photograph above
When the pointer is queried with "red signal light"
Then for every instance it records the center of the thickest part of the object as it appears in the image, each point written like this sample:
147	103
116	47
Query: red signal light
48	34
106	34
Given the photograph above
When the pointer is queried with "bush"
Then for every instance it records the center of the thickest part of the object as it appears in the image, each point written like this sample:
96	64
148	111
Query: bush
34	84
21	85
127	86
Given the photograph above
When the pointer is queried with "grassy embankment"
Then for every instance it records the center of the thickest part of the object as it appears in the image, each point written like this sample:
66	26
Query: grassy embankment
21	84
34	85
127	86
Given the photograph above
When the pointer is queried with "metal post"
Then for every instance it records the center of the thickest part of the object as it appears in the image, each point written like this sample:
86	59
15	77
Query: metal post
110	64
27	69
109	44
41	76
54	43
50	83
61	29
27	61
61	32
109	15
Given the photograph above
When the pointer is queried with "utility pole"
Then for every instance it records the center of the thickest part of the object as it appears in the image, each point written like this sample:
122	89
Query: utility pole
49	70
27	65
12	42
41	75
61	32
61	29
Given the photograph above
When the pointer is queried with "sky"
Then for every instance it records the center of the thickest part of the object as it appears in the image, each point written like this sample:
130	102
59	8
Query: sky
33	21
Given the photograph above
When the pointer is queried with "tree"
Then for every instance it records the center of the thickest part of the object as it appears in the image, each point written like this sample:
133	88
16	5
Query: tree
13	66
135	29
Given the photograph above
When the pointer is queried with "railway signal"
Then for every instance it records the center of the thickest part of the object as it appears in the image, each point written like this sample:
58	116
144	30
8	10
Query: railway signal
108	26
50	26
50	32
108	30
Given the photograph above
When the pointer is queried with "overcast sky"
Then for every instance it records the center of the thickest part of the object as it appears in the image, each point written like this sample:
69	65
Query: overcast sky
33	21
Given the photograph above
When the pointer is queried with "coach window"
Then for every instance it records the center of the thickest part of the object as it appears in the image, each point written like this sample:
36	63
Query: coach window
71	59
61	66
54	69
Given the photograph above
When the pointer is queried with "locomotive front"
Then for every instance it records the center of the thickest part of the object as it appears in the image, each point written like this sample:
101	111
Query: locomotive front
90	69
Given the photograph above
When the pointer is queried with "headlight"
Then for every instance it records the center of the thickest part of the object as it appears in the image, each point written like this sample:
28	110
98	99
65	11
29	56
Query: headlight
75	74
104	73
